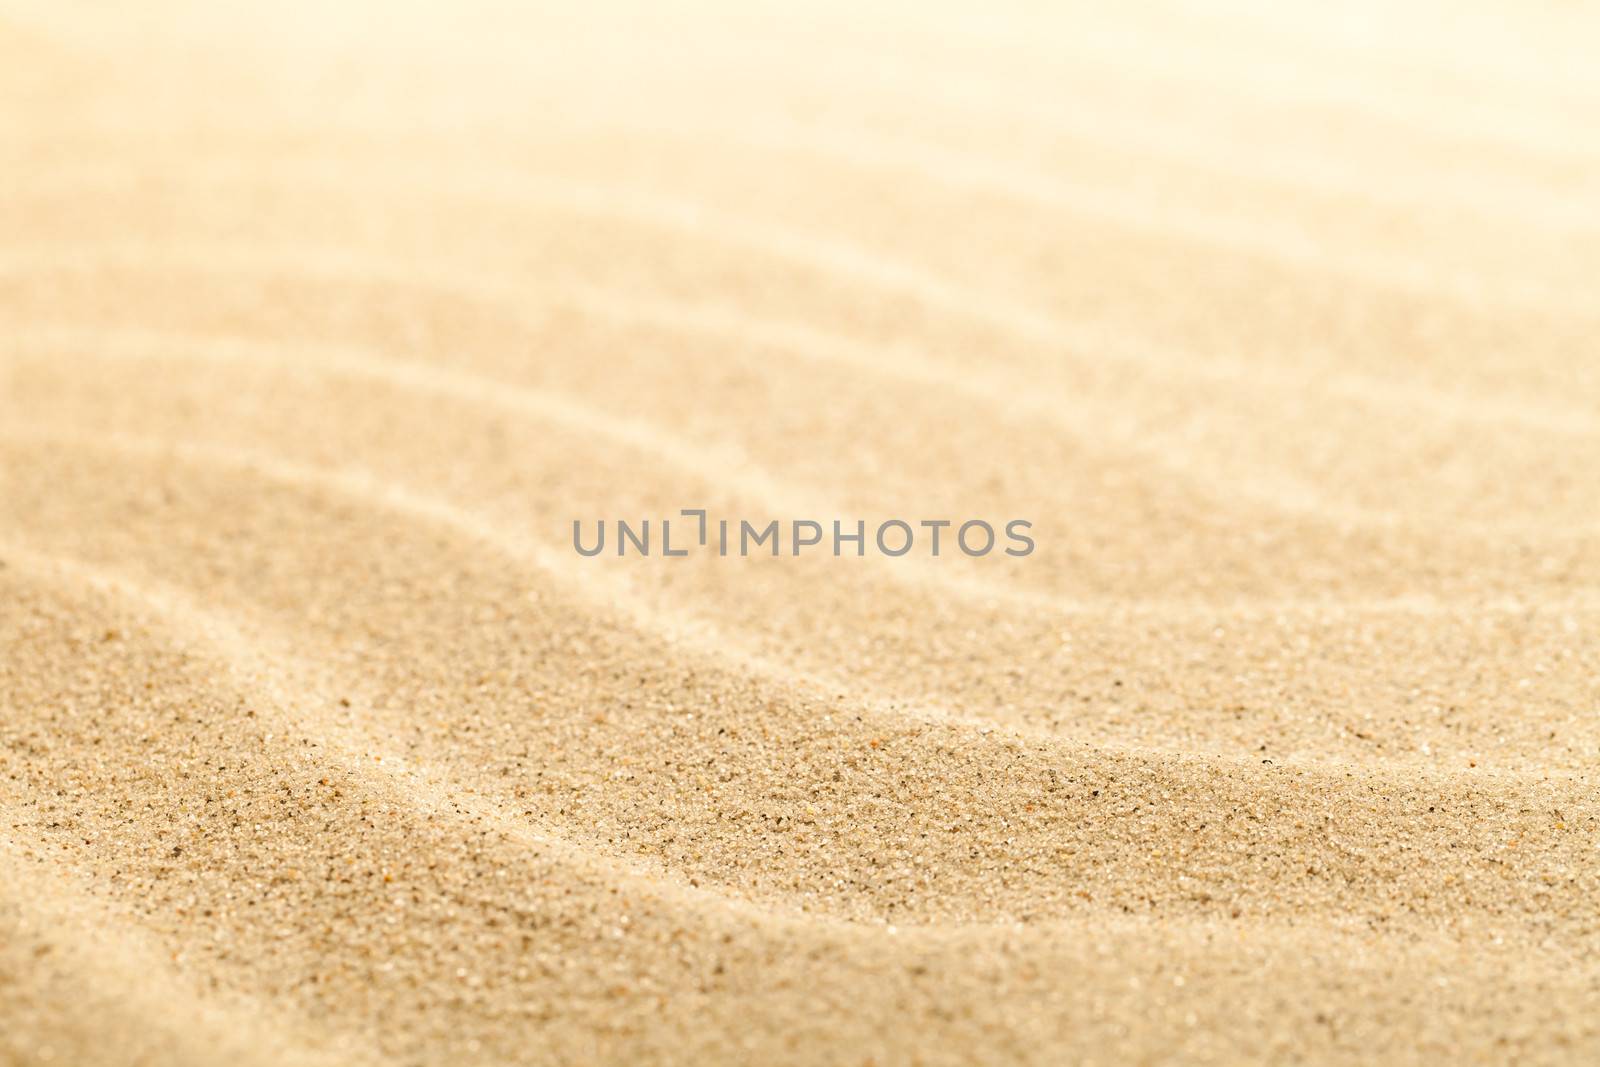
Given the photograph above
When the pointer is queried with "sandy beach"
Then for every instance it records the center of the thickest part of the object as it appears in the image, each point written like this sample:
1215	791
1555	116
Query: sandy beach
321	324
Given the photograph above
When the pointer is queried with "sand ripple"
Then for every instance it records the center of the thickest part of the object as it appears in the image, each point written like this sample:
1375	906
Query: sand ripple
319	744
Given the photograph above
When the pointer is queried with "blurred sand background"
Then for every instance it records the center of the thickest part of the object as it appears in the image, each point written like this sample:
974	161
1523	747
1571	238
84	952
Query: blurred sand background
320	322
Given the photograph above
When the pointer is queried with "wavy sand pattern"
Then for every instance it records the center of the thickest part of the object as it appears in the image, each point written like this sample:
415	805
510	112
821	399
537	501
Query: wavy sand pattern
319	744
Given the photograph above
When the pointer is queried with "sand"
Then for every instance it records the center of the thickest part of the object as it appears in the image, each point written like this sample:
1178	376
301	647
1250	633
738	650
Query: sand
319	326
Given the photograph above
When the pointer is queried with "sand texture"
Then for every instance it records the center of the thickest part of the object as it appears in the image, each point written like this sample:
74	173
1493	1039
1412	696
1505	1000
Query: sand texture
320	322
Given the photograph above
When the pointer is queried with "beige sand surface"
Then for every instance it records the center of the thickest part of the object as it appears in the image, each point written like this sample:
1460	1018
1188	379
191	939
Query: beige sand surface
321	321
